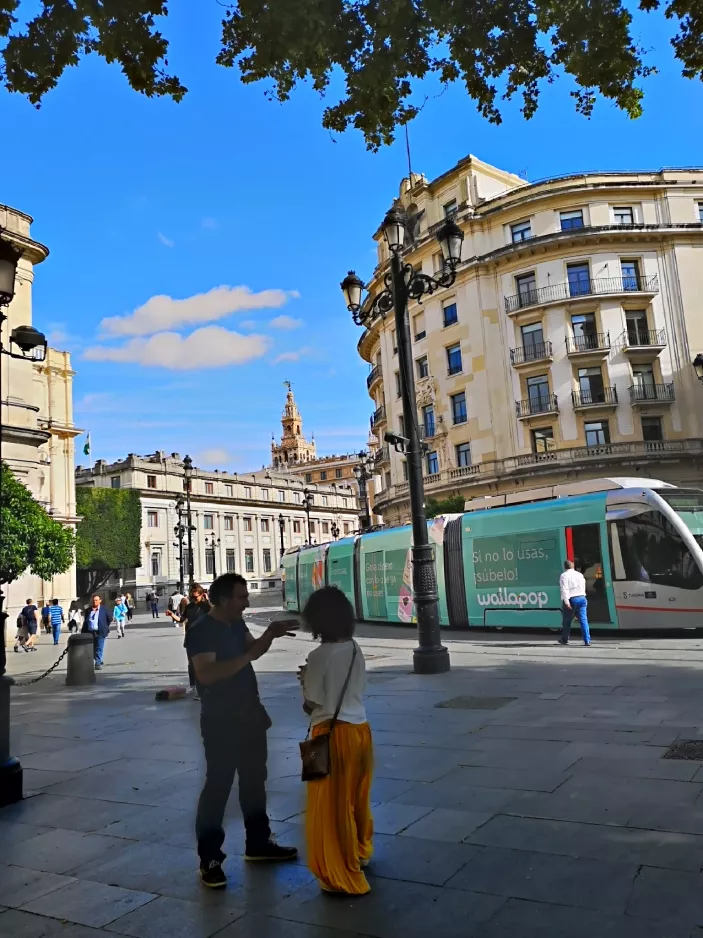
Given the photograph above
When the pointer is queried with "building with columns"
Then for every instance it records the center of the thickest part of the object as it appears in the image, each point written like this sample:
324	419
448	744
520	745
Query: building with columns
563	349
36	401
236	518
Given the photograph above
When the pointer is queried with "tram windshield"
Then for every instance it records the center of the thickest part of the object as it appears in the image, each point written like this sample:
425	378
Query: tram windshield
688	505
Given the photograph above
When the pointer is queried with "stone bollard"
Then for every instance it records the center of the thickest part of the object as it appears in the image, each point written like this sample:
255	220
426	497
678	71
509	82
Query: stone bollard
10	768
81	662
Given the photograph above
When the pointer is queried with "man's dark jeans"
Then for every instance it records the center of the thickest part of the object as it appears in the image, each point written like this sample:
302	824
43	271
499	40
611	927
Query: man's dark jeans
232	747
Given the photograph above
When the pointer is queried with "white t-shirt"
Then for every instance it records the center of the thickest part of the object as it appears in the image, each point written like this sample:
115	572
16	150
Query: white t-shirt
571	583
327	669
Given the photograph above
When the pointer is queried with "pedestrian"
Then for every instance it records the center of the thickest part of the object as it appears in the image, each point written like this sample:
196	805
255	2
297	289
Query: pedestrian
233	723
154	605
187	615
21	634
30	614
45	620
96	621
339	824
174	602
56	617
119	615
129	599
75	616
572	586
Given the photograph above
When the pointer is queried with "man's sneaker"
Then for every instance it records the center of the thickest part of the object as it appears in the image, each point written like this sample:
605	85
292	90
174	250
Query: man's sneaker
270	852
212	875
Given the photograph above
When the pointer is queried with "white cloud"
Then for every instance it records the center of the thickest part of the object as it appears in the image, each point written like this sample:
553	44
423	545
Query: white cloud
209	347
99	402
165	312
167	242
292	356
212	458
209	223
285	322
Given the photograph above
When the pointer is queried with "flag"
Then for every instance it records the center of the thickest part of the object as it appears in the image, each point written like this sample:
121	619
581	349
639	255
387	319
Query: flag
86	448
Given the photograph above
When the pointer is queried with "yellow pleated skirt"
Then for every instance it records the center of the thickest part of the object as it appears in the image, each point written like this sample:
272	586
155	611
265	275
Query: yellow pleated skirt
339	825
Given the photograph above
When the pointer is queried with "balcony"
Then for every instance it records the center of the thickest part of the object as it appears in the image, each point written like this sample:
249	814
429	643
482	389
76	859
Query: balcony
378	418
598	397
374	375
382	455
645	393
643	345
536	406
588	345
528	354
578	289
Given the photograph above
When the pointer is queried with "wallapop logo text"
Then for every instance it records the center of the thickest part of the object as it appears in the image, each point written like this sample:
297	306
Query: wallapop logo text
505	598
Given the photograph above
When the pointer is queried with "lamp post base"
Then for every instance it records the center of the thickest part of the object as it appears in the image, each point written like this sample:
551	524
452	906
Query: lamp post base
431	660
10	782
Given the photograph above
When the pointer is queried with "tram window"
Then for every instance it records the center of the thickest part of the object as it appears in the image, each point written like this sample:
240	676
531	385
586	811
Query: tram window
653	552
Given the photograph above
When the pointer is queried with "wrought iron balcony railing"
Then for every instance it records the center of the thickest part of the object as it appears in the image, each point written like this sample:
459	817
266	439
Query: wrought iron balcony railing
578	287
373	375
530	353
644	338
642	393
594	397
539	404
588	342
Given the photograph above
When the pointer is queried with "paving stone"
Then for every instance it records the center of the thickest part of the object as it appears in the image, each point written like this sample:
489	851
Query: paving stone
15	832
638	768
642	791
667	894
73	759
597	807
386	789
26	925
392	817
19	885
87	903
564	734
520	874
264	926
78	814
668	818
59	851
421	765
516	779
447	824
156	825
142	866
466	798
175	918
38	779
422	861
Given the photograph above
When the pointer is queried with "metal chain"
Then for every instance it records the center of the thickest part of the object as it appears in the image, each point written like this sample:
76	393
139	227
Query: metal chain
52	668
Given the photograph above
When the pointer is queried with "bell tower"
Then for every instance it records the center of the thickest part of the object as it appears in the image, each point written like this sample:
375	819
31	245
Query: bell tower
293	448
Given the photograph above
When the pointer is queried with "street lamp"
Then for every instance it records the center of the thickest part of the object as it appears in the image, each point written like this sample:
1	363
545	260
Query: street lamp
403	283
188	476
362	471
282	528
307	505
212	546
698	365
31	343
335	530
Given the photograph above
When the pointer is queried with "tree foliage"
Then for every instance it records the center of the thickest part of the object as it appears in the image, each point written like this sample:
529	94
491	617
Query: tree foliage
108	535
381	48
29	537
452	505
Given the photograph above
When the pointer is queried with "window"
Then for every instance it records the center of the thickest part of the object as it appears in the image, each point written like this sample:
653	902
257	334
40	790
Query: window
210	561
267	559
345	502
338	473
571	220
454	363
700	212
296	527
432	464
533	341
643	380
209	488
312	527
229	490
449	208
247	491
152	519
591	386
324	499
543	440
281	495
325	527
538	394
229	523
208	522
265	526
463	454
265	494
526	286
401	425
230	563
156	563
623	216
597	433
459	407
247	524
397	384
584	329
249	560
630	275
428	421
637	331
437	261
323	476
308	476
579	276
151	482
652	429
115	482
394	341
450	314
346	527
520	231
405	471
423	367
296	497
652	552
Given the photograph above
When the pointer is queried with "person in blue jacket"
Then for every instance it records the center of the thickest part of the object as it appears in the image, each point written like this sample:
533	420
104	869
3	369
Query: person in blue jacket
97	621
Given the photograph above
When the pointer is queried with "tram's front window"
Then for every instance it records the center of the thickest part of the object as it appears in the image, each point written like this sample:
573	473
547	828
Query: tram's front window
653	551
688	505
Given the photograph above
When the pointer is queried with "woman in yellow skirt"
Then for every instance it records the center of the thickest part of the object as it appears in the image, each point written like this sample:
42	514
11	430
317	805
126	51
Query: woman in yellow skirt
339	824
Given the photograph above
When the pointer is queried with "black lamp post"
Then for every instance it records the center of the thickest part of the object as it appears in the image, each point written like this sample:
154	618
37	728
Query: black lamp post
282	528
335	530
363	475
188	475
307	505
402	283
180	532
698	365
212	546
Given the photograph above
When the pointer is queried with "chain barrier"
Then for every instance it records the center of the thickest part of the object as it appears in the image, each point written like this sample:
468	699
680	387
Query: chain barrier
52	668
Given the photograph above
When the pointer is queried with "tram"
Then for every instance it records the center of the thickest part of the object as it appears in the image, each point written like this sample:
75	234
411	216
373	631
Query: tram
638	542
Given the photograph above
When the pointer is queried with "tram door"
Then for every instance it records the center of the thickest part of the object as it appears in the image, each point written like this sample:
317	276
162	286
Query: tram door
583	546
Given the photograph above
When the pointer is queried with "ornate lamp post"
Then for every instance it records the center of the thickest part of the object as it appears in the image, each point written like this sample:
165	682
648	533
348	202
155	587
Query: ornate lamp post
698	365
188	475
212	545
362	471
282	529
335	530
403	283
307	505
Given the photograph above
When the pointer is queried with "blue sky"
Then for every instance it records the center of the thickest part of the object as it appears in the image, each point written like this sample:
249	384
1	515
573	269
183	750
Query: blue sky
141	199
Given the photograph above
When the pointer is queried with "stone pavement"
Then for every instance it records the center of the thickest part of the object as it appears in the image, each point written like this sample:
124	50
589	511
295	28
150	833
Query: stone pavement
523	794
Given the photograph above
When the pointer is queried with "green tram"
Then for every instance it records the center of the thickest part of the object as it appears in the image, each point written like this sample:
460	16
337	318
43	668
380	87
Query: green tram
639	544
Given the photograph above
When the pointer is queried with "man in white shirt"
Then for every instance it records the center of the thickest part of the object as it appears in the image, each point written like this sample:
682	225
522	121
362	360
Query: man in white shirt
572	586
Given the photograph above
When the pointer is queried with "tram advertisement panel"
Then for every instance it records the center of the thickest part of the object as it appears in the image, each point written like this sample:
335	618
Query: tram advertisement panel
517	571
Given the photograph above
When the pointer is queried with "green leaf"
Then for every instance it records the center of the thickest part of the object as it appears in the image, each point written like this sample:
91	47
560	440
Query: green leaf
108	535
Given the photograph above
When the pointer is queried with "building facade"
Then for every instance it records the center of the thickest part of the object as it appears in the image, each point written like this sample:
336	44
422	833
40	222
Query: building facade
235	517
36	400
564	349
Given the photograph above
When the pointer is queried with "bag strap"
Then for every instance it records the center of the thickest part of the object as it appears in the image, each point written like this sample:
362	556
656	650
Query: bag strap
344	688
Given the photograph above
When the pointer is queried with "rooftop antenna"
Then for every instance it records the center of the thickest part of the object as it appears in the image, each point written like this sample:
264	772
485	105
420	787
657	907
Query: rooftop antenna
407	150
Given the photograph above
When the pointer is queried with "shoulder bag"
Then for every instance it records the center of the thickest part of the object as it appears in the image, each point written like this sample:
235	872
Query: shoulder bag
315	753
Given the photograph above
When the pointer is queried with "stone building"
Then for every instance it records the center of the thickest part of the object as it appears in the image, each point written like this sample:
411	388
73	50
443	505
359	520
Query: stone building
564	349
38	433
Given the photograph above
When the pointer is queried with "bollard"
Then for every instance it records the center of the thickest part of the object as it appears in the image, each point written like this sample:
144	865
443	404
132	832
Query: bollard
81	662
10	768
